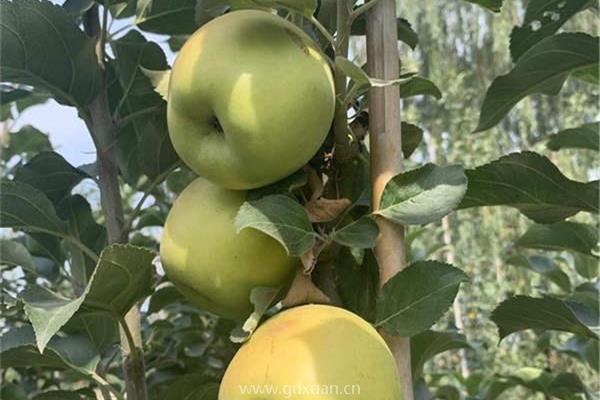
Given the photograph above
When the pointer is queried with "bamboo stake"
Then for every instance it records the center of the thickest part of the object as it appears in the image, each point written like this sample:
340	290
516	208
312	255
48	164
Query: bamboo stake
386	157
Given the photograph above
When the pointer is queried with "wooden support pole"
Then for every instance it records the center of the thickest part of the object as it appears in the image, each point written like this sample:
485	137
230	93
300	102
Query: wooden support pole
386	157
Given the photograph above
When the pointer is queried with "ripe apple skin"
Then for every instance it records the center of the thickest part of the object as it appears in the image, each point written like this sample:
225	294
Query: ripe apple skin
313	345
251	99
214	267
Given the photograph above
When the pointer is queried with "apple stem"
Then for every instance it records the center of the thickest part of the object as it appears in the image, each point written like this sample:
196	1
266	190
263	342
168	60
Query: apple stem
386	158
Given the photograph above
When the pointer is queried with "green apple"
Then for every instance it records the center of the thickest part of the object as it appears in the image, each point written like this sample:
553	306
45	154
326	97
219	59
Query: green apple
251	99
214	267
313	352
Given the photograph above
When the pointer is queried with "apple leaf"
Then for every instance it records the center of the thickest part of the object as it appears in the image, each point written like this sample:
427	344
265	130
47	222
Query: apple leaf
13	253
17	349
122	277
428	344
586	266
26	142
531	183
492	5
418	86
423	195
416	297
160	81
261	298
284	186
207	10
406	34
561	236
522	312
77	8
544	266
412	136
166	17
192	387
541	69
304	7
281	218
325	210
586	136
359	76
361	233
43	47
357	281
584	349
47	312
563	385
22	207
51	174
542	19
144	143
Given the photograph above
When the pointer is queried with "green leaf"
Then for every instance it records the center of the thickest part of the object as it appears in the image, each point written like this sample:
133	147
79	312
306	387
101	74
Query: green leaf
144	144
562	385
423	195
357	281
23	207
492	5
167	17
361	80
569	236
261	298
26	142
47	312
17	349
531	183
281	218
160	81
412	136
416	297
418	86
428	344
57	395
100	328
14	254
9	95
586	266
51	174
542	19
82	225
163	297
406	34
544	266
284	186
304	7
586	136
43	47
123	276
192	387
541	69
522	312
361	233
584	349
77	8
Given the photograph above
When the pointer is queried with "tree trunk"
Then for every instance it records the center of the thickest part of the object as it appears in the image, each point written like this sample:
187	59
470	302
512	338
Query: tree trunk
386	158
103	131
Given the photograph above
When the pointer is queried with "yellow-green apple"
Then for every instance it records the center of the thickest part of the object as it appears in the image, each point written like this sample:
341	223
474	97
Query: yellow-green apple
214	267
251	99
315	351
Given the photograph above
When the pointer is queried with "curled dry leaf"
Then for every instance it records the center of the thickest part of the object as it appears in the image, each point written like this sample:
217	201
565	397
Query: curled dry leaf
315	183
304	291
325	210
